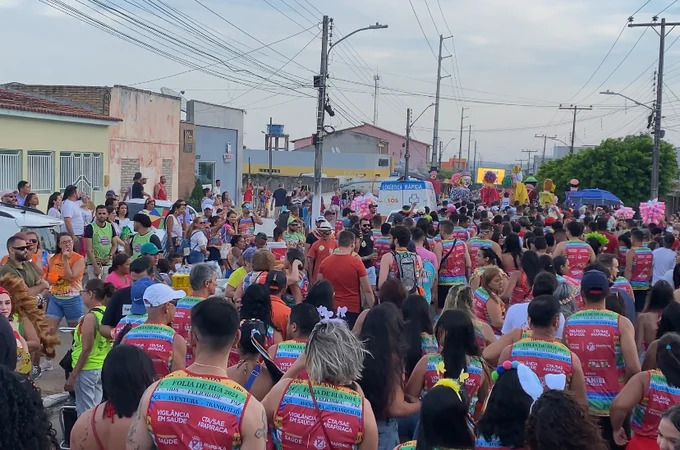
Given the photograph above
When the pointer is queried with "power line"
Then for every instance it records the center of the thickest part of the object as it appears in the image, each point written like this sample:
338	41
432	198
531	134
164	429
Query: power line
663	10
422	29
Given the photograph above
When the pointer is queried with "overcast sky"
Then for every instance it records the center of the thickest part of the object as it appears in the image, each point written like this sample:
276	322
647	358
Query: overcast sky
533	53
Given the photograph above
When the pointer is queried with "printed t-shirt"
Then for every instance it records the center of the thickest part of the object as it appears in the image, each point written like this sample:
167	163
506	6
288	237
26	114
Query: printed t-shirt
63	288
320	250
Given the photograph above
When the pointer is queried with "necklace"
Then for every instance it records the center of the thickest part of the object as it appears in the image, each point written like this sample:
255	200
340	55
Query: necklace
212	367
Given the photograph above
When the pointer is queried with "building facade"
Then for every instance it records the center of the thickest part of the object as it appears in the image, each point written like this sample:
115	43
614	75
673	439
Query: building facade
218	145
147	138
52	144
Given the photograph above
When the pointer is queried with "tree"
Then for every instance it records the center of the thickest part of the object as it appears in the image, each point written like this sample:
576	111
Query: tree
196	196
622	166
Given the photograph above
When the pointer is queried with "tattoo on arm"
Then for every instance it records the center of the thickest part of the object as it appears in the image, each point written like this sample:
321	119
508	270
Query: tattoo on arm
261	432
133	427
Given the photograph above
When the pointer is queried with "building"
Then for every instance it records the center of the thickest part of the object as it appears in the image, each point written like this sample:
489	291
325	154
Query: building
52	144
147	138
218	143
455	164
560	151
391	144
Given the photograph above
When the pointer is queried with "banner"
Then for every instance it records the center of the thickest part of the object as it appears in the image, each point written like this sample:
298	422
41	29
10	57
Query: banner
500	173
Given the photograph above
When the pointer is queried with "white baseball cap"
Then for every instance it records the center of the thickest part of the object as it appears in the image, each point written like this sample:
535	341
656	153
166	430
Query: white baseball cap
325	226
159	294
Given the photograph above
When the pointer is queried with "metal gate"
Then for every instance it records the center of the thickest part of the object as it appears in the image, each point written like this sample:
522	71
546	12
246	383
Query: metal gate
83	170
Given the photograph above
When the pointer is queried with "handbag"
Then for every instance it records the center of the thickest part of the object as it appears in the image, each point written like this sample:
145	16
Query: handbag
318	415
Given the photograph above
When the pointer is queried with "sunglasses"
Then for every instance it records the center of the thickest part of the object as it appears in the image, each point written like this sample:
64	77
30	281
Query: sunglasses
21	249
32	241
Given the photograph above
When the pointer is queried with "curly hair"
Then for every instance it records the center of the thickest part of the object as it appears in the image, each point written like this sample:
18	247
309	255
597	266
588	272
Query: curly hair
24	422
256	304
558	421
27	307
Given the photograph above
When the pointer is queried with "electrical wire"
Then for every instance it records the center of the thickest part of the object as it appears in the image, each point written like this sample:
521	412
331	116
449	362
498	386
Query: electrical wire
422	29
663	10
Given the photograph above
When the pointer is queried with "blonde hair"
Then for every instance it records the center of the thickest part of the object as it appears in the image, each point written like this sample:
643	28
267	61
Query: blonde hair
334	354
452	296
26	307
263	261
488	275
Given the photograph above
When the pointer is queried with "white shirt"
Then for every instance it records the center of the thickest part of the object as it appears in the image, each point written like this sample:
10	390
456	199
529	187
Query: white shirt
518	317
54	212
664	260
197	241
71	210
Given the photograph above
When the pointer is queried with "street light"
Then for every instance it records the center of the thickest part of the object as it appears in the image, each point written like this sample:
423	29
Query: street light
409	124
321	106
656	151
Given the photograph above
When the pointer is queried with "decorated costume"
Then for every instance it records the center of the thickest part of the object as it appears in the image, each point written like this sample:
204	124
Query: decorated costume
489	194
519	190
573	187
548	194
461	190
436	183
532	192
652	212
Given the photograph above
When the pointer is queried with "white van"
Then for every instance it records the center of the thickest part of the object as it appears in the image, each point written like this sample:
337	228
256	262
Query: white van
18	218
395	194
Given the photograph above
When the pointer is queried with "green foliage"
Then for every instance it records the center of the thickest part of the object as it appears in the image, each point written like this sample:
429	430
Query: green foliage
622	166
196	196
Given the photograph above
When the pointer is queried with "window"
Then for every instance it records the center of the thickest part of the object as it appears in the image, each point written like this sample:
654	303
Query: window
10	175
267	170
41	171
383	162
206	172
84	170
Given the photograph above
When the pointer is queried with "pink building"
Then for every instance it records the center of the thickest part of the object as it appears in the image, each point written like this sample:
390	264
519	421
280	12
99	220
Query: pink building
394	145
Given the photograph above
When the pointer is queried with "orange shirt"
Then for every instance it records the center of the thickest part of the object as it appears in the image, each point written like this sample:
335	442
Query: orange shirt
280	314
61	287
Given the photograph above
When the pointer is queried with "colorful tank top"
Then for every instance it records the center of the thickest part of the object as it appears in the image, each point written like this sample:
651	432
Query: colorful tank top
622	257
658	397
287	353
298	425
410	445
593	335
522	292
453	270
182	322
480	298
134	320
428	344
155	340
623	284
382	245
578	255
246	228
543	357
435	364
254	277
24	363
479	333
460	233
490	444
192	411
475	245
642	268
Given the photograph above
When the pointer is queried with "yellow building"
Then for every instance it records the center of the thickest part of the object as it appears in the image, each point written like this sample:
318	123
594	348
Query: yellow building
52	144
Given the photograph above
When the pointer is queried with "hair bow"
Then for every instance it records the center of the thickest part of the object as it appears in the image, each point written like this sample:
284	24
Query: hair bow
454	384
324	313
342	311
528	379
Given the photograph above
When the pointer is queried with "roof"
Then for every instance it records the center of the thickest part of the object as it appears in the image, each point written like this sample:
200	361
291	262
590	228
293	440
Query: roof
354	129
19	101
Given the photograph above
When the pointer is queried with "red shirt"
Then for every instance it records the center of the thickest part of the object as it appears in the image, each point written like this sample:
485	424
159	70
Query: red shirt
248	194
612	246
320	250
162	192
344	272
676	242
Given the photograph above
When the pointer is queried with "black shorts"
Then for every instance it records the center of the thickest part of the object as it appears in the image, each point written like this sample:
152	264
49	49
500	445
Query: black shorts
442	292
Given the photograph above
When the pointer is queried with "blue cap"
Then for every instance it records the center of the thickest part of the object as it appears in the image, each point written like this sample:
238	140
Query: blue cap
137	294
594	282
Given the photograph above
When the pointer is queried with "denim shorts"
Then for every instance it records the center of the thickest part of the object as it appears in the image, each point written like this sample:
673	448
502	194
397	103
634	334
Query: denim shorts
372	276
388	434
71	308
88	389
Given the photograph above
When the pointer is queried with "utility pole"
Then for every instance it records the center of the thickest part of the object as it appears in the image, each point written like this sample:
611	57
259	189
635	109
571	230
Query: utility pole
576	109
376	79
545	139
529	158
269	146
435	133
474	163
407	153
320	83
460	141
659	91
467	161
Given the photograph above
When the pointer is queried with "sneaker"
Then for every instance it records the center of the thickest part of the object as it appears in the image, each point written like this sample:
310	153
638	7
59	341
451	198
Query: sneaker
36	372
47	365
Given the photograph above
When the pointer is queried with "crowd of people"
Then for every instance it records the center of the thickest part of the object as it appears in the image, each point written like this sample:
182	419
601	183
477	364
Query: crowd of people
468	327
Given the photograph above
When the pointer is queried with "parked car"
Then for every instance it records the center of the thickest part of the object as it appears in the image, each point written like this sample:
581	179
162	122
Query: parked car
136	205
18	218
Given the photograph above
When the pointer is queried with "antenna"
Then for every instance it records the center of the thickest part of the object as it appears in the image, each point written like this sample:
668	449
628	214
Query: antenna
173	93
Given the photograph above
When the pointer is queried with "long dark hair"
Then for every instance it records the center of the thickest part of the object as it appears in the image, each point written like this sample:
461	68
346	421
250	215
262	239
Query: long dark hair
444	421
668	358
660	296
252	328
531	266
559	262
513	246
24	421
126	374
670	320
491	255
383	335
256	304
321	294
456	335
53	199
417	321
506	411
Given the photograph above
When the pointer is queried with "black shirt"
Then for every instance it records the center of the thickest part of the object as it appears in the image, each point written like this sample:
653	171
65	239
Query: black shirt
366	249
114	309
311	238
137	190
279	196
8	345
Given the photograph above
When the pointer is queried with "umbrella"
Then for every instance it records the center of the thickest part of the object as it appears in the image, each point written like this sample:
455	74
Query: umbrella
597	197
156	216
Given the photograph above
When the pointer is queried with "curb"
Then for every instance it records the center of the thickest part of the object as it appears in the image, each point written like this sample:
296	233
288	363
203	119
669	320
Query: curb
55	399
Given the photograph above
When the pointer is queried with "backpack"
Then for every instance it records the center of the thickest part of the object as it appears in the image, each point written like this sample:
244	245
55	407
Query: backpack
404	267
193	256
